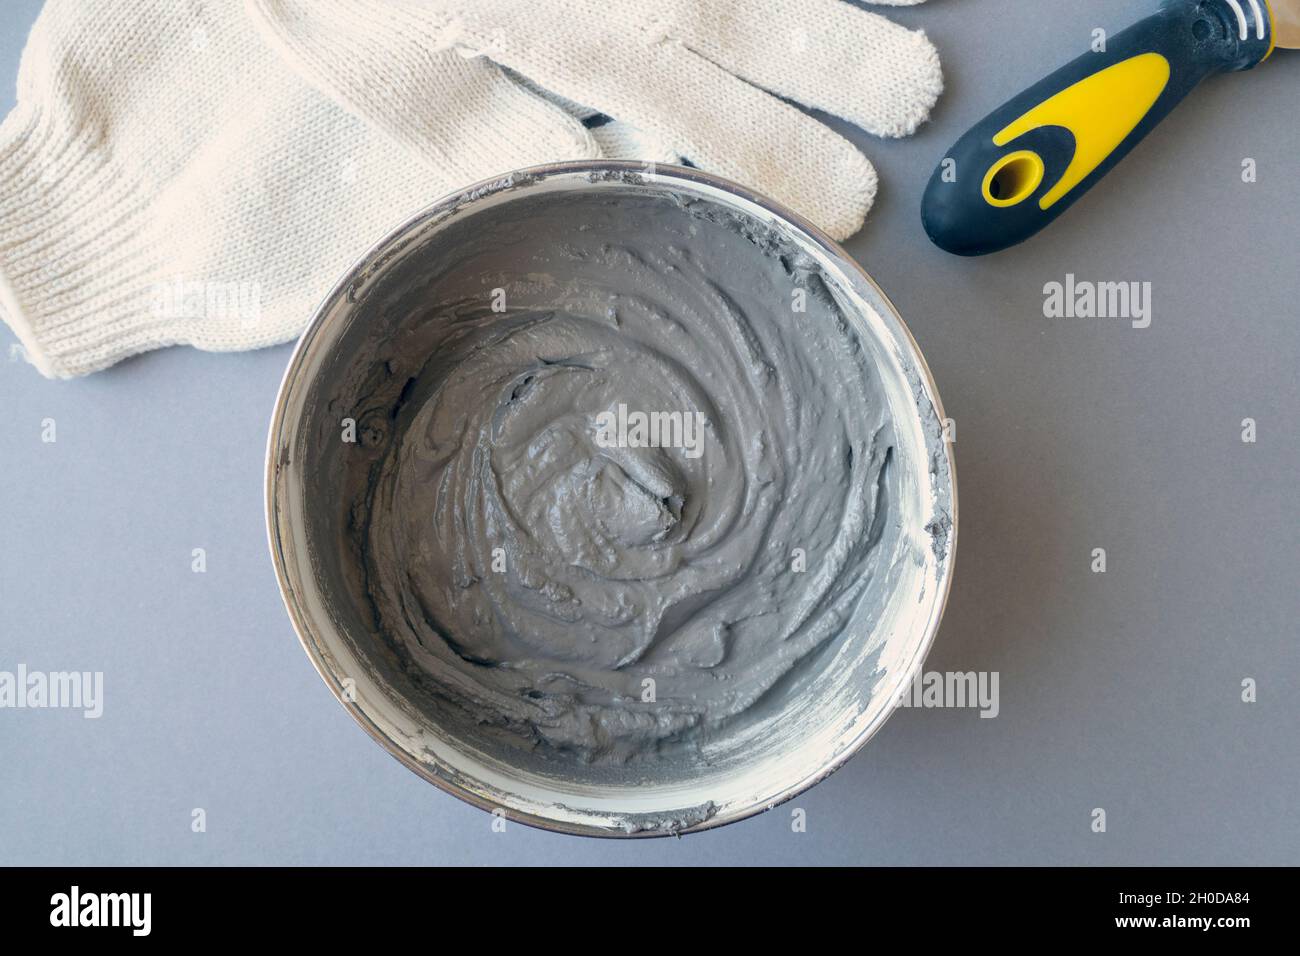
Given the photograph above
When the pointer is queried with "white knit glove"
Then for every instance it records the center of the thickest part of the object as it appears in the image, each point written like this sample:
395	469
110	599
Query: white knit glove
200	173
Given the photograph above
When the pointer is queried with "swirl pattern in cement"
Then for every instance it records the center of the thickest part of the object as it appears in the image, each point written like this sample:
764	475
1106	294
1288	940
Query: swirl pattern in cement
604	600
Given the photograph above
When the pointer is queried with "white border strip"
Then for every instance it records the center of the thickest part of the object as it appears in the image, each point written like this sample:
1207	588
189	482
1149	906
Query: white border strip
1259	19
1241	16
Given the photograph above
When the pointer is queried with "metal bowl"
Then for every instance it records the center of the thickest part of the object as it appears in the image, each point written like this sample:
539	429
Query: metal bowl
343	651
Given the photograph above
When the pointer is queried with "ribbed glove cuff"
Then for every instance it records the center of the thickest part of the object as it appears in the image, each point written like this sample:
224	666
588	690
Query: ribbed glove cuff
78	278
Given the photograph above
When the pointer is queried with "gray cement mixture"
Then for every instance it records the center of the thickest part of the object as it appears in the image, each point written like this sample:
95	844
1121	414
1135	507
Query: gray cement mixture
627	603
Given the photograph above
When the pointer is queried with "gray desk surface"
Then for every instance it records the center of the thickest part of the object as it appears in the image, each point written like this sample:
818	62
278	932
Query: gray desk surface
1119	690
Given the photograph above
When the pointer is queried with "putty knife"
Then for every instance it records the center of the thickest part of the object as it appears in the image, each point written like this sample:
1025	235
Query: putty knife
1029	160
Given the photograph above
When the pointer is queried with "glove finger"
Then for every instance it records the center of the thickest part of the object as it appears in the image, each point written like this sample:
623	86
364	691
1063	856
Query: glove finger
824	54
577	110
462	115
705	114
619	140
616	139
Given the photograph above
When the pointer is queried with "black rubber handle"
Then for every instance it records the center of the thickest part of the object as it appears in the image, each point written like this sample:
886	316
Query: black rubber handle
1029	160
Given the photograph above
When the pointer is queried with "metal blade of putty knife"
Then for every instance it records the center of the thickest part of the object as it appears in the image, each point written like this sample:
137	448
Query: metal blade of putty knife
1286	23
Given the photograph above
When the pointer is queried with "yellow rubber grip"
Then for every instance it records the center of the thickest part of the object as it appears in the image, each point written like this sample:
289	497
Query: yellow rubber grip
1100	111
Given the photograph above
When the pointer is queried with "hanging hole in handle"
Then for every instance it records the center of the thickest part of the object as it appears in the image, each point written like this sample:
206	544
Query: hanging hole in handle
1013	178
